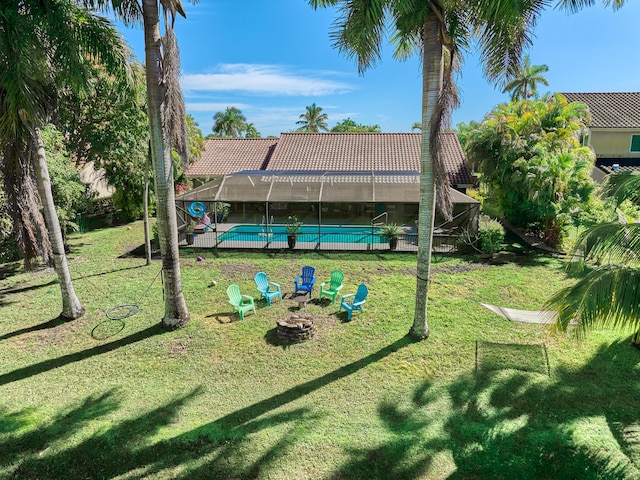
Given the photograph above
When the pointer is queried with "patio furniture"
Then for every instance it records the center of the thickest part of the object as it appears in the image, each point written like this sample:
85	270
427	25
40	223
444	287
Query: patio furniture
302	301
264	287
331	289
356	300
305	282
241	303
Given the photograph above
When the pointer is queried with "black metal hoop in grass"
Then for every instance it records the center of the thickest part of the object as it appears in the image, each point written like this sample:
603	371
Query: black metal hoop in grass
123	311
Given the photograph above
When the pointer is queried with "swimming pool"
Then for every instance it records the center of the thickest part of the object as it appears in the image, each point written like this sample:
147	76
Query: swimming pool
308	233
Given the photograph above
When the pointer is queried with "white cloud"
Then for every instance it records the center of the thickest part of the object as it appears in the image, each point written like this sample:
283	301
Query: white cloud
263	80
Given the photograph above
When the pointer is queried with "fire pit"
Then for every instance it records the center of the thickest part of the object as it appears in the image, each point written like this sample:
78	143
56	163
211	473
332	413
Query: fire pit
296	329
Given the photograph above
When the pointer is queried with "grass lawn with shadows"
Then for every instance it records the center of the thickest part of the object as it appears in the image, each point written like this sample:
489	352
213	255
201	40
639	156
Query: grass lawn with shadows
220	398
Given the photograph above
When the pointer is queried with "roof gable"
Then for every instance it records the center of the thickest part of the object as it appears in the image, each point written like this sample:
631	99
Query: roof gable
610	109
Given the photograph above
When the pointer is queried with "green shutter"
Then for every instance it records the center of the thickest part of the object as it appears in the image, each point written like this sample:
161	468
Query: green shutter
635	143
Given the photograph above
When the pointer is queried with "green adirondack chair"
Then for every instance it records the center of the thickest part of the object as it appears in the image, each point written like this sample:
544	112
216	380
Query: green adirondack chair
331	289
241	303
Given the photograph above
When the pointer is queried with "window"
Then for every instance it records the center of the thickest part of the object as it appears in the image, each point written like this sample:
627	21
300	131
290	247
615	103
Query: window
635	143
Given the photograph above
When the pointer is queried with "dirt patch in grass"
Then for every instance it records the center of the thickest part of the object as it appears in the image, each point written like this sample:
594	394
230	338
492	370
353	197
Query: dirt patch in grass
461	268
238	271
179	346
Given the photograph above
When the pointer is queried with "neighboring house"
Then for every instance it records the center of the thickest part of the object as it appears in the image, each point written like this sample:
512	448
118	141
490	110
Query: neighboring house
96	181
327	178
614	135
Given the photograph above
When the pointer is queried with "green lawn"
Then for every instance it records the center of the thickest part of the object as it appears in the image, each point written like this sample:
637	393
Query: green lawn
481	398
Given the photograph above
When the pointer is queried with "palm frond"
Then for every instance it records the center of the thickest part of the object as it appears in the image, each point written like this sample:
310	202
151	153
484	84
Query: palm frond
608	296
623	186
610	243
173	108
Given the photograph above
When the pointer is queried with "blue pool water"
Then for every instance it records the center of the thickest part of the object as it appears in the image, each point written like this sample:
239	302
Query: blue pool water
308	233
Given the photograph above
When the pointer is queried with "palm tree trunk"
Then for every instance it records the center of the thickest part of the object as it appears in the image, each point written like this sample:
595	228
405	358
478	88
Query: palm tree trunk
145	212
431	86
71	306
176	313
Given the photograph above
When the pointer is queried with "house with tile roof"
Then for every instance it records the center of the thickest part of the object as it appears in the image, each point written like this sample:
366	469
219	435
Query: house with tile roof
614	134
324	179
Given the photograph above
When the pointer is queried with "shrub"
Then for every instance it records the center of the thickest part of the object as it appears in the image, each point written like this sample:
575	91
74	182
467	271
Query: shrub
490	235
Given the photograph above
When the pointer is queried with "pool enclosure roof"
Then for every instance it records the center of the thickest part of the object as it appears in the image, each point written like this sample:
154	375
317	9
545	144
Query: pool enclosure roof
314	186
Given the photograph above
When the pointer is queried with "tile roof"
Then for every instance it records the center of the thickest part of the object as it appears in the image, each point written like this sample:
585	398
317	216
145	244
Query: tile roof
337	151
610	109
623	164
228	155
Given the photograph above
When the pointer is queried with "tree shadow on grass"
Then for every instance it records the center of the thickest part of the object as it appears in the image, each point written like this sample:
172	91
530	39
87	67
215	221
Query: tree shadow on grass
223	448
47	365
582	423
53	323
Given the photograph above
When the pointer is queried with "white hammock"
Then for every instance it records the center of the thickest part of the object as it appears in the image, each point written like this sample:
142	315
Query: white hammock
546	317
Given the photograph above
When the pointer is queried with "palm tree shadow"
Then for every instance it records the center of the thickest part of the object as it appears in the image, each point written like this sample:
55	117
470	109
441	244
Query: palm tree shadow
53	323
507	424
225	443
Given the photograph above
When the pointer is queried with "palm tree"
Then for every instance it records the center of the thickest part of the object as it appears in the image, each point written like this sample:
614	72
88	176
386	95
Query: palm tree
437	29
167	130
49	46
416	126
313	120
230	123
525	81
609	294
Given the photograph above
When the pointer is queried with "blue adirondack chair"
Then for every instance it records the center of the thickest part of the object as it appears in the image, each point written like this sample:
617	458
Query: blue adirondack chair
241	303
332	288
264	287
354	301
304	283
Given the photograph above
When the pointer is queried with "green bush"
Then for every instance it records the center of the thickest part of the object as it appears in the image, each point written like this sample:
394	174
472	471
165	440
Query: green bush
490	235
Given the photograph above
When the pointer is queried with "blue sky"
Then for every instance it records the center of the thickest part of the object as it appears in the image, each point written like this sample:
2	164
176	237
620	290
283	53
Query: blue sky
272	58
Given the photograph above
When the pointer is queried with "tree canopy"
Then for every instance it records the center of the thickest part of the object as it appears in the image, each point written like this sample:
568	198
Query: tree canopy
525	80
349	126
533	164
313	120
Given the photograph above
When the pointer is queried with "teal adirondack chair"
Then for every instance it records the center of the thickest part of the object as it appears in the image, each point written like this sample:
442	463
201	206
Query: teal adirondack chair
354	301
264	287
241	303
331	289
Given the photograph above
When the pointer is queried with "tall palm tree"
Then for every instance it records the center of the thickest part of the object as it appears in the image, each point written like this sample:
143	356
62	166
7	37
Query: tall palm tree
609	294
48	46
438	30
525	80
313	120
230	123
167	130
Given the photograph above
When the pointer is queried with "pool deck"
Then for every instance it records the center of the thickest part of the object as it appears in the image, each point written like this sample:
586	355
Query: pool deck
208	240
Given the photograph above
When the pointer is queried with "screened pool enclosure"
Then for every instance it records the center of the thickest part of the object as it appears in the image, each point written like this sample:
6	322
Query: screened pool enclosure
339	210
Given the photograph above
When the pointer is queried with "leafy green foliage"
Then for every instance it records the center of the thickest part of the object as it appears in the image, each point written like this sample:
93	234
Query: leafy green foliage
70	195
533	165
349	126
313	120
490	235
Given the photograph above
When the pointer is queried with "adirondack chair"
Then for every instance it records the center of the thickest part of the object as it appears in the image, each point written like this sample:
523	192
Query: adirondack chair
304	283
332	288
354	301
264	287
241	303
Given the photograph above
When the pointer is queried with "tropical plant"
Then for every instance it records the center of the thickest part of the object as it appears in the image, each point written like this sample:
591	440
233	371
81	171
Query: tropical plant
252	131
533	165
168	129
349	126
437	30
313	120
48	47
526	78
293	225
230	123
608	295
416	126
